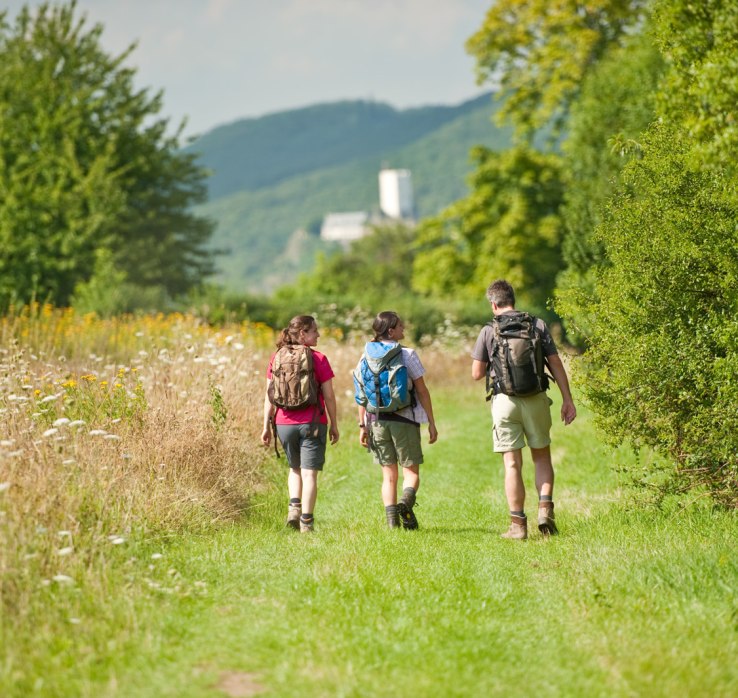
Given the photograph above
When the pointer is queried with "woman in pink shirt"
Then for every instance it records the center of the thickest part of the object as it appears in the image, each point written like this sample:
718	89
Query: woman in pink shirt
303	432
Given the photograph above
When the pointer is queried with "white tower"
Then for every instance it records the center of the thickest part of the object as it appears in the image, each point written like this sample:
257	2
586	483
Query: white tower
396	194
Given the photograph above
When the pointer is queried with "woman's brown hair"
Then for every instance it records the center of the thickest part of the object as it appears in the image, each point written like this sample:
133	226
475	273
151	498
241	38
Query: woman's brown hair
383	323
291	333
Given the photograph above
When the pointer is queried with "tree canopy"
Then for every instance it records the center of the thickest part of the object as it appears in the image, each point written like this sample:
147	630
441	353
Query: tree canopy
87	164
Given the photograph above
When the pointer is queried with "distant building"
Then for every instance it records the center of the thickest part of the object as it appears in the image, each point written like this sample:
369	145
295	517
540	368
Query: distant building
396	194
396	202
344	227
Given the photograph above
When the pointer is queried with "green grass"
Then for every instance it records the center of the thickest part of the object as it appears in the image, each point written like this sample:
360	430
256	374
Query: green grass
627	601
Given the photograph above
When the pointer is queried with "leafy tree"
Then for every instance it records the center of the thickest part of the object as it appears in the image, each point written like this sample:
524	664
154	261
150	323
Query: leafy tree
377	266
615	105
508	227
86	164
700	41
540	51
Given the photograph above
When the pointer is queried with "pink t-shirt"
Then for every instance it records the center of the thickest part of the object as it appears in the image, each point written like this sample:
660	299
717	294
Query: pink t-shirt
323	372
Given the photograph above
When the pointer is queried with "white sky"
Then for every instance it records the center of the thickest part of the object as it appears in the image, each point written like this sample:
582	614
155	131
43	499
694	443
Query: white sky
222	60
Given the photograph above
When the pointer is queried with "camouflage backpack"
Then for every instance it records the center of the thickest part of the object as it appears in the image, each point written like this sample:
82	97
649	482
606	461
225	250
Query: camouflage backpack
294	385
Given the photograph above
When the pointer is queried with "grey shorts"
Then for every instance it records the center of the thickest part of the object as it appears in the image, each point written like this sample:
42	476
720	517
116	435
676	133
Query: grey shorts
517	419
396	442
302	446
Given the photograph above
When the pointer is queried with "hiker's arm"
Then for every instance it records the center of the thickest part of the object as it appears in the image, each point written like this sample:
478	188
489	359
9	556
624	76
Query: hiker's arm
568	411
363	435
330	406
421	390
266	433
479	369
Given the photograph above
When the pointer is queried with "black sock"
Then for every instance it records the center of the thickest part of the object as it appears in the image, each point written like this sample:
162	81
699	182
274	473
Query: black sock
520	514
408	496
546	498
307	518
295	501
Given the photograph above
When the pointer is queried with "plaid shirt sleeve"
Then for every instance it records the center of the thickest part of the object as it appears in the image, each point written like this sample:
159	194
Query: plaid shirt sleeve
414	368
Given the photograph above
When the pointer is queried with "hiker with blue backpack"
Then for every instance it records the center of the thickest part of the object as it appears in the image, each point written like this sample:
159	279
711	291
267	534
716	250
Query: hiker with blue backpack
393	402
513	352
299	393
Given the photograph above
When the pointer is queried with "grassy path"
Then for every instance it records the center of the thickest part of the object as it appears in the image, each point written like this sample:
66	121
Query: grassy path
623	603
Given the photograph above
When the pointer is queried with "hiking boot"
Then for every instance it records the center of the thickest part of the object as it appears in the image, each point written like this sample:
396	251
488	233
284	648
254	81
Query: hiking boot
546	519
307	526
393	518
407	518
518	528
293	517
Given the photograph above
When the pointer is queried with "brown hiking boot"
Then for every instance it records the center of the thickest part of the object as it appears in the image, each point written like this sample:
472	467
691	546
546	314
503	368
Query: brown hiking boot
307	526
293	517
546	519
518	528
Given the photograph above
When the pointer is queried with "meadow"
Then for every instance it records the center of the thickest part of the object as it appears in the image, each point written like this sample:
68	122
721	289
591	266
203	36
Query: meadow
143	551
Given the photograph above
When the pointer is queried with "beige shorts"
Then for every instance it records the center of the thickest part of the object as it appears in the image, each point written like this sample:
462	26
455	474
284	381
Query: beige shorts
396	442
517	419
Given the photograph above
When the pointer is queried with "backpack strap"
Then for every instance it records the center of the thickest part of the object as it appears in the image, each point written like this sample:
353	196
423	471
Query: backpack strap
273	422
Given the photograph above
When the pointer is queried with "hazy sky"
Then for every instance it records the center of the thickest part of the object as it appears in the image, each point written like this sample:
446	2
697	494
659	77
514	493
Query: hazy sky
221	60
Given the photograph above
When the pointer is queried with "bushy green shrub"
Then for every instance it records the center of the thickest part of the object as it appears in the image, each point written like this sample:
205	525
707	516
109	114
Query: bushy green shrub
662	365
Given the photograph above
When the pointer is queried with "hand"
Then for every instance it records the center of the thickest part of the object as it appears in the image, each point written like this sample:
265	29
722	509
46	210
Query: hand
333	434
568	412
363	438
266	436
432	433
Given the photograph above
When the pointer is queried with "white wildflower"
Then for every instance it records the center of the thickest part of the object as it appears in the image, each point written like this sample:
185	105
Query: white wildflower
117	540
238	346
63	534
62	421
14	454
50	432
4	486
143	353
98	432
111	437
156	556
50	398
63	579
116	420
69	461
75	621
7	443
139	334
77	423
65	551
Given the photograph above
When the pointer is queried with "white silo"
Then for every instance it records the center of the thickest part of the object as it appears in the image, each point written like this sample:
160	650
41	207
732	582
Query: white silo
396	194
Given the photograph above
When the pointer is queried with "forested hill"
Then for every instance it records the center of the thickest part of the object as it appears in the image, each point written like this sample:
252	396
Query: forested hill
282	173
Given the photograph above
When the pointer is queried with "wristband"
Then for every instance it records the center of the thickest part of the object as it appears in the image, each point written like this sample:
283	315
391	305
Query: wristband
362	426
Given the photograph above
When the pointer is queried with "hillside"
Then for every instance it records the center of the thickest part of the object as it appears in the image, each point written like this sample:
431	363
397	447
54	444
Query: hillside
258	220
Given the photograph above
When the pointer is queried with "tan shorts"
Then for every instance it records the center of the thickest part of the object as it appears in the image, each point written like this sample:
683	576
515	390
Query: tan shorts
515	419
396	442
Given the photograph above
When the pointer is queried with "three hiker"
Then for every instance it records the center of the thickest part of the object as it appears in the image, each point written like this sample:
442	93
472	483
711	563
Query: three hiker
513	351
299	393
393	402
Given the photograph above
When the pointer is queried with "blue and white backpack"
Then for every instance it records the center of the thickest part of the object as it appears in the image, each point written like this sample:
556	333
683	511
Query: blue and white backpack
381	382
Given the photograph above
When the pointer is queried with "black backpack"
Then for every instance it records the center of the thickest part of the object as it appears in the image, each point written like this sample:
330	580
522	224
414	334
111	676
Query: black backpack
517	365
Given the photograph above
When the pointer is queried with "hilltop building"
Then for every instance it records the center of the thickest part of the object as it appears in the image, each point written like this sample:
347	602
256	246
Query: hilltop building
344	227
396	194
396	203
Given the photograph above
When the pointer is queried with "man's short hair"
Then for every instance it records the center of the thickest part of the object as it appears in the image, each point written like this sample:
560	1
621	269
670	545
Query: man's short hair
501	293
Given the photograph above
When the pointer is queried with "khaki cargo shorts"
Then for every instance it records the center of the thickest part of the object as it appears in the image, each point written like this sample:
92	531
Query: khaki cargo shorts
396	442
515	419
